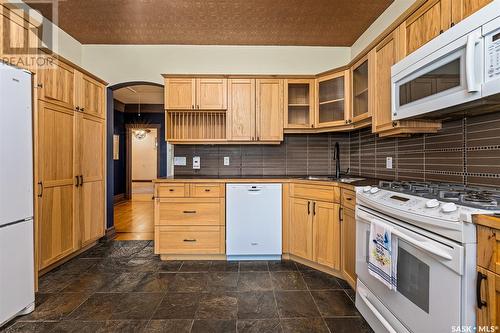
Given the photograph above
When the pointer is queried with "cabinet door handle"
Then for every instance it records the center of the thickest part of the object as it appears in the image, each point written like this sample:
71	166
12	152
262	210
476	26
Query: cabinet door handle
340	214
192	106
170	189
308	207
40	189
82	109
314	208
207	190
480	278
81	180
190	240
77	181
189	212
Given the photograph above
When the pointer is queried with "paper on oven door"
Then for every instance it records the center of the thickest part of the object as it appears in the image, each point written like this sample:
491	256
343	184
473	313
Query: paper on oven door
382	261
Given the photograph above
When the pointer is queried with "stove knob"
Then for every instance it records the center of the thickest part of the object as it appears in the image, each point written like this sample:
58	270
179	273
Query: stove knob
374	190
367	189
449	207
433	203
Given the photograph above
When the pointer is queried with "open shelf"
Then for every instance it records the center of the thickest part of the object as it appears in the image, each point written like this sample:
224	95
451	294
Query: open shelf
298	105
332	101
196	125
361	93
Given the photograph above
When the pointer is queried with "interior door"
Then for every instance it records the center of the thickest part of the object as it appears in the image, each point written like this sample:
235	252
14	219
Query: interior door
348	241
241	110
326	231
301	232
269	109
211	94
57	183
90	95
180	94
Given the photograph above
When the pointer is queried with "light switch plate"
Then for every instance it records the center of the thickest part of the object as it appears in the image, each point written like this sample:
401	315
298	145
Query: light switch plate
226	160
180	160
196	162
388	162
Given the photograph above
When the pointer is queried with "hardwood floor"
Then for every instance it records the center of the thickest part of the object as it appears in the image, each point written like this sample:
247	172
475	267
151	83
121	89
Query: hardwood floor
134	220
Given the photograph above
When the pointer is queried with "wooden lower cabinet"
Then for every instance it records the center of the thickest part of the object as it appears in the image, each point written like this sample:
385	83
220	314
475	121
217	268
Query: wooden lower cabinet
301	228
488	311
326	231
190	219
348	241
315	231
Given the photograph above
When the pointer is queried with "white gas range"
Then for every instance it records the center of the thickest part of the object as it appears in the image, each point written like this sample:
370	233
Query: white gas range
436	264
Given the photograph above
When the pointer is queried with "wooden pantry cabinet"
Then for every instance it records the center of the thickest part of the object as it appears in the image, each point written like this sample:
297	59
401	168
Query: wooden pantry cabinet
189	220
195	93
70	134
315	225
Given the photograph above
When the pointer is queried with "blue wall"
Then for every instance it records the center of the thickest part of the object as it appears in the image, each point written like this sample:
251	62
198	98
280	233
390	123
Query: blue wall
119	165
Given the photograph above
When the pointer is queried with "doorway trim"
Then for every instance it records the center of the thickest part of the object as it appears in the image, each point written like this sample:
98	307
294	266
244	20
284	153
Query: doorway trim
128	154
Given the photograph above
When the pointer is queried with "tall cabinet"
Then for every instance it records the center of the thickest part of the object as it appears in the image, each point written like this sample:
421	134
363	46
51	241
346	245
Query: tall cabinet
70	147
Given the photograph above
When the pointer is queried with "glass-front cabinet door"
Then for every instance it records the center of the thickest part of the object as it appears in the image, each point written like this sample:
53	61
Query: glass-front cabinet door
299	96
333	102
360	90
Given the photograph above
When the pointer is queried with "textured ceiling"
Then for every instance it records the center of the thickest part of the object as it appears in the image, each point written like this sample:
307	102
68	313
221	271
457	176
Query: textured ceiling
139	94
216	22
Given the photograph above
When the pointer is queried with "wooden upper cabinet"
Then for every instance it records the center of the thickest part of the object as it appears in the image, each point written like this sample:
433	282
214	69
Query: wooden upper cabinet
326	234
211	94
241	110
299	100
361	88
461	9
180	93
57	85
427	22
301	231
333	107
269	109
90	95
195	94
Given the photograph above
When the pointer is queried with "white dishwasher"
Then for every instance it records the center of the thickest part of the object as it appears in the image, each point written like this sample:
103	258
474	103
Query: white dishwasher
253	221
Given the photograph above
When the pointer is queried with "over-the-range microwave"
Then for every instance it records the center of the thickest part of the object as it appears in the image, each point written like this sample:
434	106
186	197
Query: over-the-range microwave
457	72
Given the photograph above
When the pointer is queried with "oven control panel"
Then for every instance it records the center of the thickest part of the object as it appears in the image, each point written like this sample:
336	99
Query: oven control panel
492	57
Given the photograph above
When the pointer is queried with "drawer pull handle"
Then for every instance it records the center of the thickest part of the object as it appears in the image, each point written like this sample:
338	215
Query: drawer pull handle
190	240
348	198
207	190
171	190
189	212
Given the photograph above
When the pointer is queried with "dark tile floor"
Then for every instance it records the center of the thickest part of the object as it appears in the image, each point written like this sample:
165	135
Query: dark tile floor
121	286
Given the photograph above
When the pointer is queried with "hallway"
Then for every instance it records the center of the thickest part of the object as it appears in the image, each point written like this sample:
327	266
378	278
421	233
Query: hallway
134	220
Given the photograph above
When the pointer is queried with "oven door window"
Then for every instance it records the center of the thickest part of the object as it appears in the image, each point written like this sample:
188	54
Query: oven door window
413	279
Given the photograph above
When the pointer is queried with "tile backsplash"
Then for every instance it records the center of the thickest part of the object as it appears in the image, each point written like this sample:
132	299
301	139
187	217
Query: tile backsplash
466	151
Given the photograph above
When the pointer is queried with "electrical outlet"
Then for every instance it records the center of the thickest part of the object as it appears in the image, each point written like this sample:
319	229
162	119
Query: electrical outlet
226	160
196	162
180	160
388	162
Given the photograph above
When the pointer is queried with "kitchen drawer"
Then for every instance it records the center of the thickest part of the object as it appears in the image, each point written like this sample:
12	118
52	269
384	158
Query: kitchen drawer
207	190
180	190
488	248
316	192
190	240
348	199
190	212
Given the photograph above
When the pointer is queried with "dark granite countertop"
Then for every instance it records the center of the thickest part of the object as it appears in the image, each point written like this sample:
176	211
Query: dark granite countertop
275	178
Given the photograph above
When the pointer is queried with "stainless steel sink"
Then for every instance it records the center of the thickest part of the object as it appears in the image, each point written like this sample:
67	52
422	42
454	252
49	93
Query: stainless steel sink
333	179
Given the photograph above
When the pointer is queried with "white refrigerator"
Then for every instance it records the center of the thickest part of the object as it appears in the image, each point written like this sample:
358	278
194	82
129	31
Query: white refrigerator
17	295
